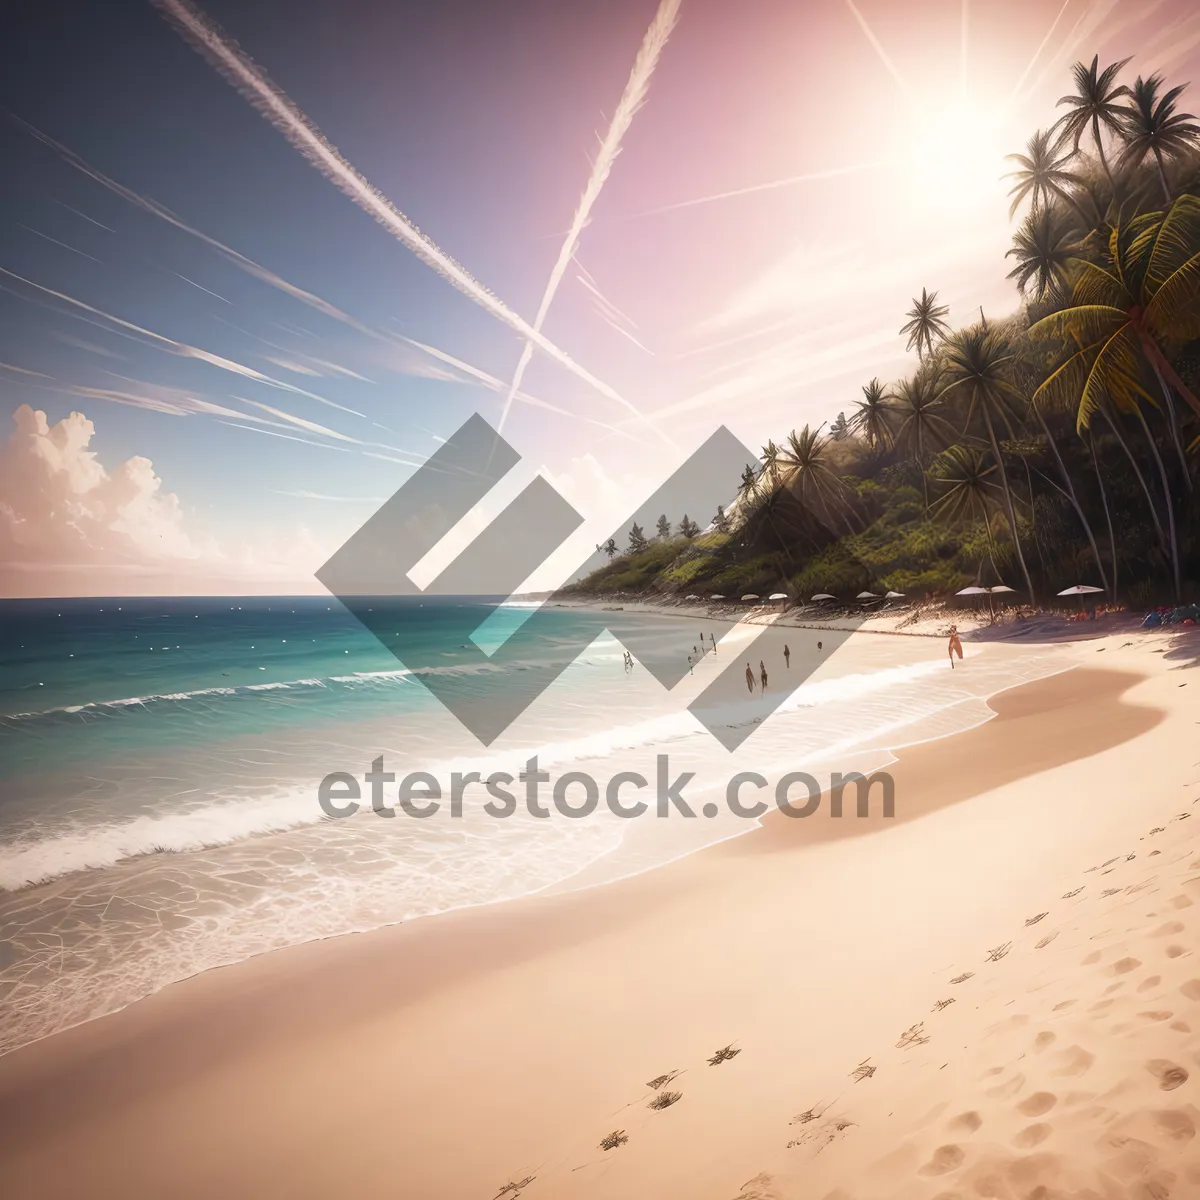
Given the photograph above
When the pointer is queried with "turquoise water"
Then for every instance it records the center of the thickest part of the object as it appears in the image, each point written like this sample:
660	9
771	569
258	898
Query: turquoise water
161	761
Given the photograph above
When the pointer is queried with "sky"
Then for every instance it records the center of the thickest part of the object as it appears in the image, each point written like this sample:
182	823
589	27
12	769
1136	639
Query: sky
258	259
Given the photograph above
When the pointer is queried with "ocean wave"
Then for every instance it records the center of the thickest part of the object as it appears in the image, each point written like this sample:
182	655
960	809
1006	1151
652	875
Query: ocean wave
89	847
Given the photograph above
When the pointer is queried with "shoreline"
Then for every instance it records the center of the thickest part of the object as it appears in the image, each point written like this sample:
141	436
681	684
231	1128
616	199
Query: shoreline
193	1031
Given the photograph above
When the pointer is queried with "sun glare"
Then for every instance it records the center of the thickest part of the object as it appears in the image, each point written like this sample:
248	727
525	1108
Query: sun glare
956	162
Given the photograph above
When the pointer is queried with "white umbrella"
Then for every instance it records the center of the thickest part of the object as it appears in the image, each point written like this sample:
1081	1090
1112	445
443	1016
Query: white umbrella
691	597
718	596
823	596
1080	590
1002	587
750	596
972	591
778	596
866	596
894	596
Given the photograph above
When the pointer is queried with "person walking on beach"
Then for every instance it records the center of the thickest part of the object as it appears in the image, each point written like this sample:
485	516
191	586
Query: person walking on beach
955	646
762	667
690	671
749	679
818	645
787	657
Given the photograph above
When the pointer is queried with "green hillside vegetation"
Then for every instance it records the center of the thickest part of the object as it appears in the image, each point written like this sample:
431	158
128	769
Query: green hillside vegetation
1055	446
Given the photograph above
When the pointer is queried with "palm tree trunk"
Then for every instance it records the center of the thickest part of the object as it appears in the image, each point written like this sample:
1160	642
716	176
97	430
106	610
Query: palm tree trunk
1100	150
1066	475
1162	176
1112	536
1137	470
1166	486
1160	362
1008	501
1173	425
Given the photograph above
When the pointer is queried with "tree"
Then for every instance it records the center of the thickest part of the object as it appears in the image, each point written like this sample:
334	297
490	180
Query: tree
1044	248
966	491
1093	105
840	429
805	470
663	529
1125	310
687	527
873	416
610	548
637	539
921	426
927	321
1042	177
976	363
1146	295
721	521
1152	126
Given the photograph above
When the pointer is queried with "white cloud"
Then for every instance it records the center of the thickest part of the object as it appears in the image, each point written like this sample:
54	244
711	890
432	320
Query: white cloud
71	526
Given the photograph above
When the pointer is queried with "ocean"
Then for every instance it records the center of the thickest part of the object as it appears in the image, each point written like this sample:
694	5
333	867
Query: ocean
161	760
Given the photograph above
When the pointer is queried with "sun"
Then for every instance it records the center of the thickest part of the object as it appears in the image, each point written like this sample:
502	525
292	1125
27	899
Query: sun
955	162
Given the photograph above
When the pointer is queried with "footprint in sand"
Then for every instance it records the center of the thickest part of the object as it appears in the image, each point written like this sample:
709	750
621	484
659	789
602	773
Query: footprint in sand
1044	1040
1125	965
1177	951
1032	1135
1038	1104
1169	1075
943	1160
1180	902
1149	983
1075	1060
1191	989
967	1122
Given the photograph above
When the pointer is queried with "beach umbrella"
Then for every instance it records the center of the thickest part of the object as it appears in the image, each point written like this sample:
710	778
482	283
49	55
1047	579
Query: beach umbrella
1080	590
691	597
778	596
718	596
972	591
822	596
894	596
750	596
866	596
1002	587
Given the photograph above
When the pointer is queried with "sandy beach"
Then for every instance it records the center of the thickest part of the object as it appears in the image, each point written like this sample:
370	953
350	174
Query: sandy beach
995	994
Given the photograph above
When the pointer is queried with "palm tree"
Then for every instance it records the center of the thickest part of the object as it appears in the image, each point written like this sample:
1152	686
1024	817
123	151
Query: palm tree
769	476
977	362
805	470
927	320
921	427
1093	104
1044	247
873	415
1146	296
1042	177
1152	126
968	493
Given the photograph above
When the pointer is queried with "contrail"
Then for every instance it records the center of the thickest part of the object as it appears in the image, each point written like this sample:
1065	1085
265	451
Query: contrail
1038	53
73	249
255	269
789	181
893	70
497	385
182	349
605	303
305	137
631	100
